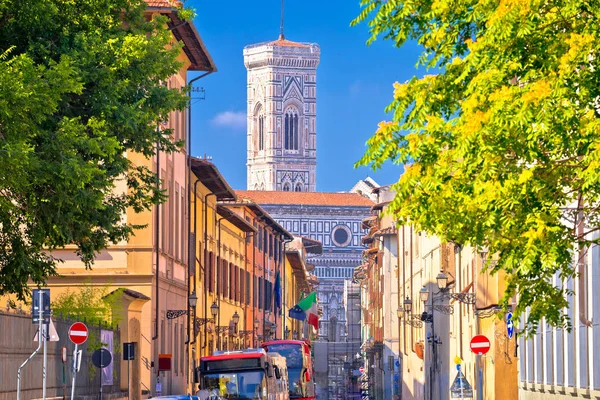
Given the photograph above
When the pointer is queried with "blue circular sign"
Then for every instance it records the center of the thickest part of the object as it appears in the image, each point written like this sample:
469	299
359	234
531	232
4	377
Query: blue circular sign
510	326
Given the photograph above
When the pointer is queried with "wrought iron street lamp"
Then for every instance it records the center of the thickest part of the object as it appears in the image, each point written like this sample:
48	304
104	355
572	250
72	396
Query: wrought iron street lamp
410	319
214	309
193	299
442	282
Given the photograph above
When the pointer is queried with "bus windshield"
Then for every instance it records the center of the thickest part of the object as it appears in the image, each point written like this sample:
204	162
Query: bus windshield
247	385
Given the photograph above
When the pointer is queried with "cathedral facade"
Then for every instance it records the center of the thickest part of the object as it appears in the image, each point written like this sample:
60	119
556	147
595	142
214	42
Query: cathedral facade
282	109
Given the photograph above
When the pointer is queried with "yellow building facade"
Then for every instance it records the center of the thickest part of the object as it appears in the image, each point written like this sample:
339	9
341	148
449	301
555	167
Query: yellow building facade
149	272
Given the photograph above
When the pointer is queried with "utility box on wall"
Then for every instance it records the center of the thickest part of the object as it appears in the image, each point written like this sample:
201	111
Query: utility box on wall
164	362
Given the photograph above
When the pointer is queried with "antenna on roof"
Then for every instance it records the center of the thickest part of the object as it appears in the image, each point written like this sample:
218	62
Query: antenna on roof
281	36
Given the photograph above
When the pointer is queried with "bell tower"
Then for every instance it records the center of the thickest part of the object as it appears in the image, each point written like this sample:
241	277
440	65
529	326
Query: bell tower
282	105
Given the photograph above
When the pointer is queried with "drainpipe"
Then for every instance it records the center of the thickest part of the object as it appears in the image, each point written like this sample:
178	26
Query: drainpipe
284	242
156	238
218	275
193	341
255	300
188	173
248	235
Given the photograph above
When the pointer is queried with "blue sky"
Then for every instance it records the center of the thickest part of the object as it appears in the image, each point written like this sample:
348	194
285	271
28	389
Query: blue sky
354	83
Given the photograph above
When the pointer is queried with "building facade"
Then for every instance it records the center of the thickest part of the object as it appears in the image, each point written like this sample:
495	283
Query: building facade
423	302
556	364
282	107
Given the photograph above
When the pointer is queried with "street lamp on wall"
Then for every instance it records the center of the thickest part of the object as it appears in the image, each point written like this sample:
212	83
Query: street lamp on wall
442	280
410	319
193	299
235	319
214	309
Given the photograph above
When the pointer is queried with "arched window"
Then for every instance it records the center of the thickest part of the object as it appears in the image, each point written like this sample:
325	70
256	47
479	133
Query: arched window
261	132
298	187
259	128
291	129
287	187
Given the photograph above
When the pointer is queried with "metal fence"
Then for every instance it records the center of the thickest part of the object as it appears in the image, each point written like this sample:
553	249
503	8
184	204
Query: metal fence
17	333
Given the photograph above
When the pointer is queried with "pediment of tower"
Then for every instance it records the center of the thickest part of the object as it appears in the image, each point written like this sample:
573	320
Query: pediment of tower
292	87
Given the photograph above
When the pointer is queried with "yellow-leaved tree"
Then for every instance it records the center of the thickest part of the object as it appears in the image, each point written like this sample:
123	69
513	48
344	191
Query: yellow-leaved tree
501	143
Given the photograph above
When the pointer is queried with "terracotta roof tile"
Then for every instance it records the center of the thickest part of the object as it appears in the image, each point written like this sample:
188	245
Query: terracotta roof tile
305	198
287	43
163	3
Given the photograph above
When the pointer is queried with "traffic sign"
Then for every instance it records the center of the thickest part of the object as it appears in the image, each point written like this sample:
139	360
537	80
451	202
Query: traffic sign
101	358
78	333
35	305
510	326
461	388
361	370
52	335
480	344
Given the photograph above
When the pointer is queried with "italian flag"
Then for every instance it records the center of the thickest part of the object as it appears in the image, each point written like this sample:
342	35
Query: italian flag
309	306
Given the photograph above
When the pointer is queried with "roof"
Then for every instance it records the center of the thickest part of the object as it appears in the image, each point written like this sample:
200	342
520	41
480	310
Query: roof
184	31
380	206
286	341
286	43
235	219
298	269
306	198
208	174
230	356
266	217
312	246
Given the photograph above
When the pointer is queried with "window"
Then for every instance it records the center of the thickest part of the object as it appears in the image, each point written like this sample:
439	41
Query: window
291	129
261	132
224	290
183	229
177	219
247	288
259	128
231	281
287	187
298	187
260	293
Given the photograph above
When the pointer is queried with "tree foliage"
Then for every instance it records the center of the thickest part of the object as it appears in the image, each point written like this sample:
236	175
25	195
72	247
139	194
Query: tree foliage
92	304
81	85
501	143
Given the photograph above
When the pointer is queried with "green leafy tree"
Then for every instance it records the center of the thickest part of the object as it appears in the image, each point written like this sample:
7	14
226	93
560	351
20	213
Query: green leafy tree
81	86
501	142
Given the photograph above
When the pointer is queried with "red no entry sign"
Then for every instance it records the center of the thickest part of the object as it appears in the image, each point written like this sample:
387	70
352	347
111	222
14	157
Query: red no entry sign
361	370
78	333
480	344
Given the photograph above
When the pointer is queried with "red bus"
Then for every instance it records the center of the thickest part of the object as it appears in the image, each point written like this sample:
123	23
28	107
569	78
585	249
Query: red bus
250	374
299	365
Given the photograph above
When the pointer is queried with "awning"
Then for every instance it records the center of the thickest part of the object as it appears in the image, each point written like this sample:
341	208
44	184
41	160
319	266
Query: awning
236	220
380	206
368	222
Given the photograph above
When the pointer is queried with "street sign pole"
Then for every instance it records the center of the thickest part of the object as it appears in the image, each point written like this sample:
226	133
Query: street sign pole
78	333
74	369
40	317
44	335
479	378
